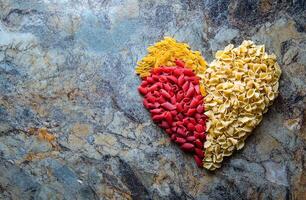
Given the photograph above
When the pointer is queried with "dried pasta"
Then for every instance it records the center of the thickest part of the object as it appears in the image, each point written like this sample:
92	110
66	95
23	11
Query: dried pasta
165	52
240	84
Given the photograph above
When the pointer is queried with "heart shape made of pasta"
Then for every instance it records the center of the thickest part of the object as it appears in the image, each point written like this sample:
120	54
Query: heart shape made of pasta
237	87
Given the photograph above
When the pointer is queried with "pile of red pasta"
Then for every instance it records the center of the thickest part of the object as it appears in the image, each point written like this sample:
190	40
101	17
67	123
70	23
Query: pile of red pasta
208	109
172	95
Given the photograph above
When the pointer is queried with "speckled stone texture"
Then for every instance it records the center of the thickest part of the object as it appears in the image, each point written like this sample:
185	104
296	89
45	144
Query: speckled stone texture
68	66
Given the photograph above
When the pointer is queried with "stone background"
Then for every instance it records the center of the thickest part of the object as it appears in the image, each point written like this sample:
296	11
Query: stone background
67	70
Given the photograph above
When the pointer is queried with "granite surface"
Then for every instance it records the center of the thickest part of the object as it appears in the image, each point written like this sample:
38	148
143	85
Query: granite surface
72	125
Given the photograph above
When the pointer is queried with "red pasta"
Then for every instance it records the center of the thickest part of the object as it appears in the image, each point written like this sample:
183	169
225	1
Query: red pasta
172	95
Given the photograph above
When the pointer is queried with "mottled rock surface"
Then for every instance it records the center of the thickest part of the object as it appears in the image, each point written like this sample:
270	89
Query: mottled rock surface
67	70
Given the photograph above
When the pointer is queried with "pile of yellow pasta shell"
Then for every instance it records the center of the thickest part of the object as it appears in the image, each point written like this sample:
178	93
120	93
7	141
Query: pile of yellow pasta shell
240	84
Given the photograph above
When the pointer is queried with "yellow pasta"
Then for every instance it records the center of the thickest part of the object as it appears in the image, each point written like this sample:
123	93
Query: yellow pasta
165	52
240	84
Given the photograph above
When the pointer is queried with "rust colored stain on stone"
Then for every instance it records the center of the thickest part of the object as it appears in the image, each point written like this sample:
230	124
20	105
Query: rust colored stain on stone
42	134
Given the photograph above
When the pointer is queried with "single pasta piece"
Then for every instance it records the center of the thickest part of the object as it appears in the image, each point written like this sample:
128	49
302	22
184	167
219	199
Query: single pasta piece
240	84
165	53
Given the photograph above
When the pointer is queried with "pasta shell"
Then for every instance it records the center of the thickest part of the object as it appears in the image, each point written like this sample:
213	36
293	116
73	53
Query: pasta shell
250	93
